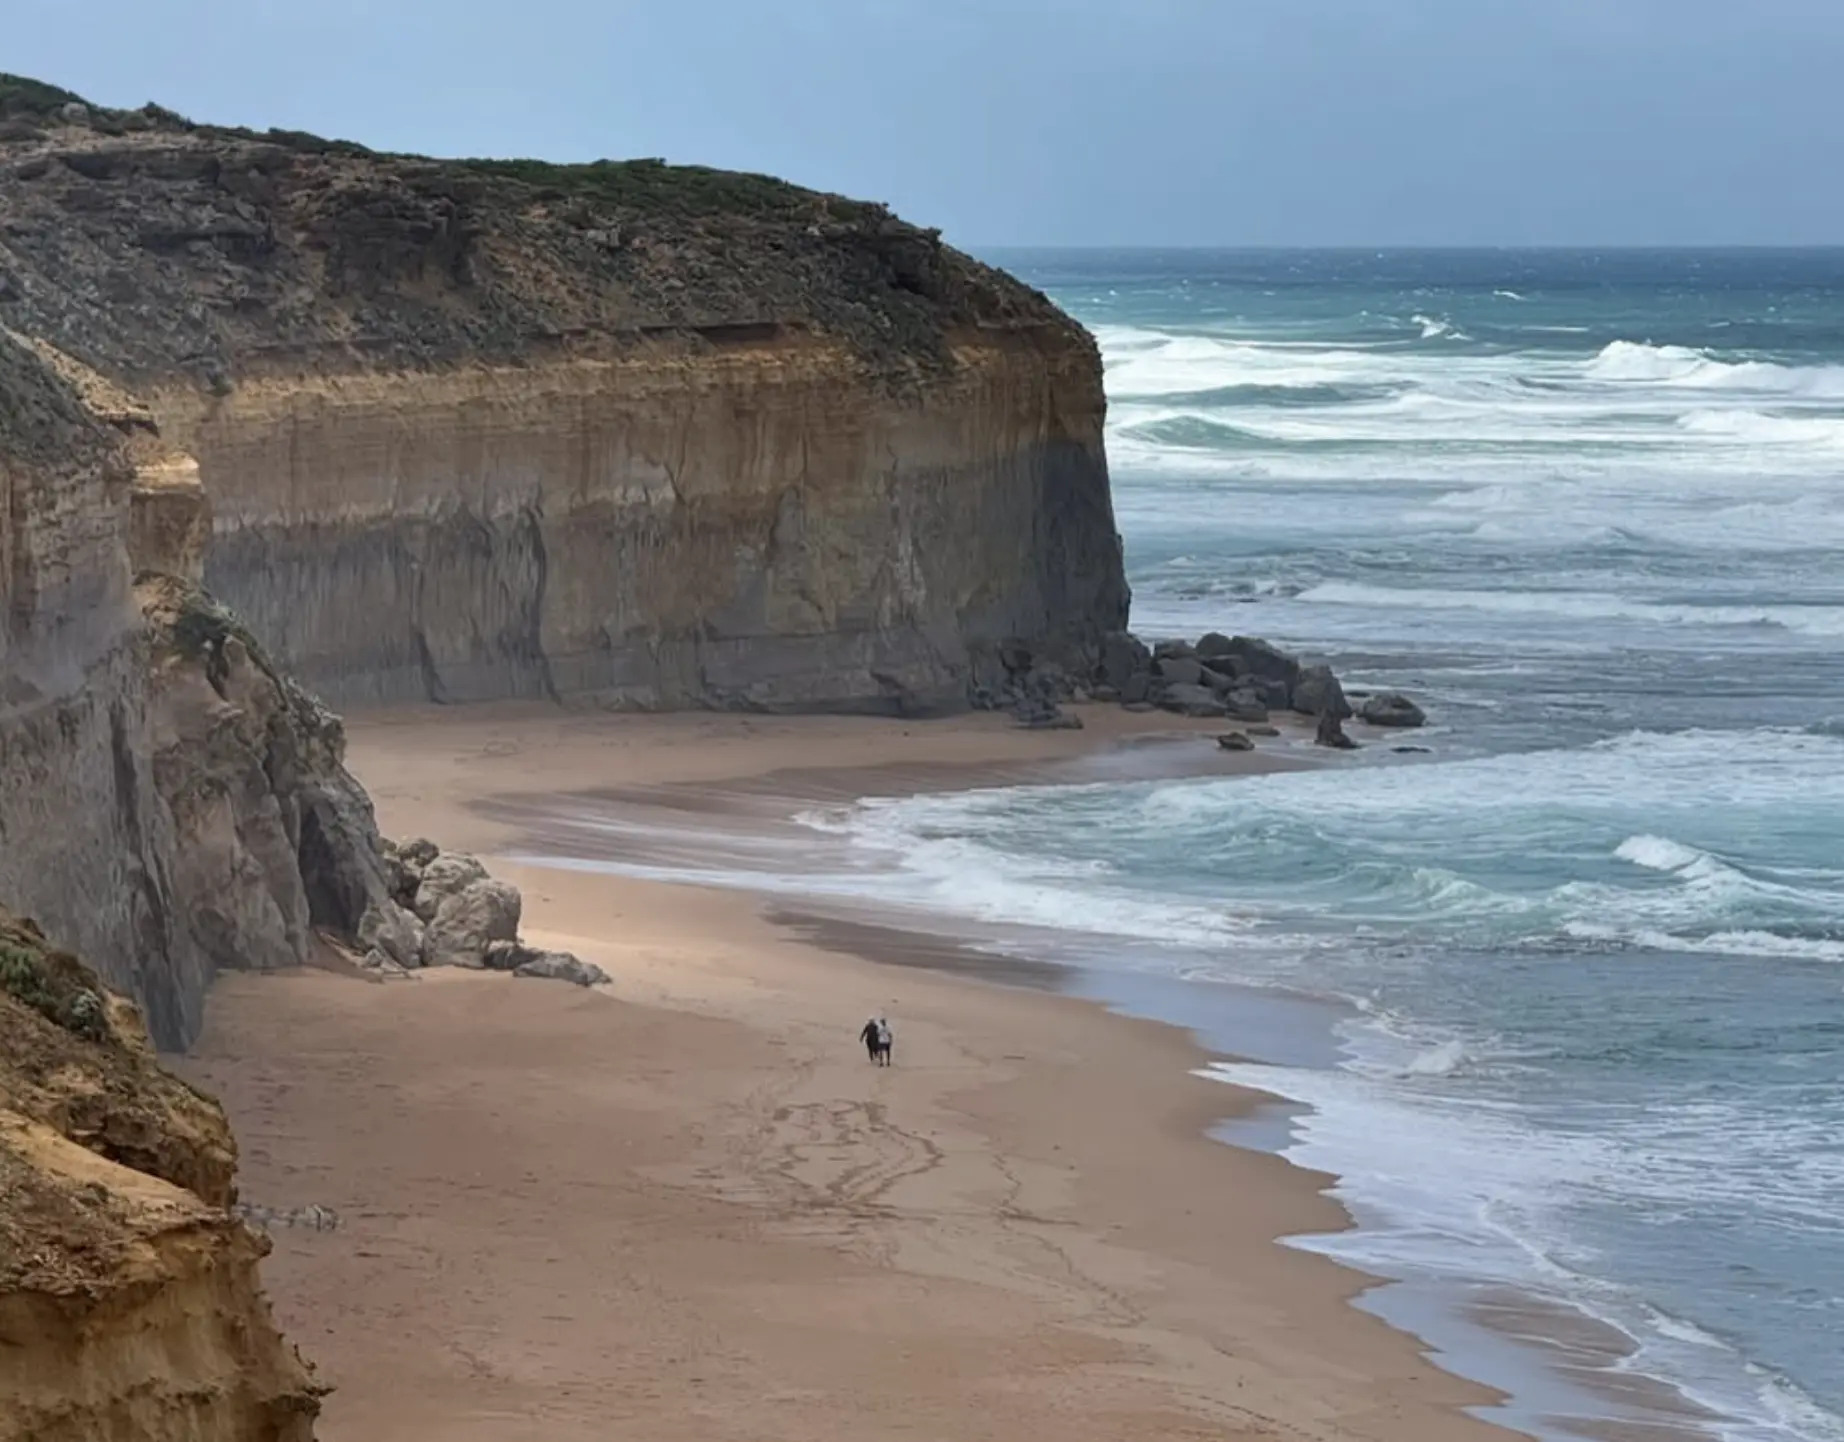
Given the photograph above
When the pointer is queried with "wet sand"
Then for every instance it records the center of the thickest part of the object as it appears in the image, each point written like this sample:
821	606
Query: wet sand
684	1207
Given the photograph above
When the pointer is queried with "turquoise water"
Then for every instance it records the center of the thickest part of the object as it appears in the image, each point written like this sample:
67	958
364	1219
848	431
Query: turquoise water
1589	509
1578	975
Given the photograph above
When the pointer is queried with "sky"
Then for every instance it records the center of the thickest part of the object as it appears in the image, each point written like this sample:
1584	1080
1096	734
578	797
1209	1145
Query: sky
1062	122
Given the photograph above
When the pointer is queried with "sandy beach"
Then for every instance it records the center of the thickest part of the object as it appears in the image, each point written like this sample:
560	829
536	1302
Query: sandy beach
684	1207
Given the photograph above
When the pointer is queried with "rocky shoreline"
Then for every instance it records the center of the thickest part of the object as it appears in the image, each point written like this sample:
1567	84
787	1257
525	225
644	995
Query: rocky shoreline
1234	678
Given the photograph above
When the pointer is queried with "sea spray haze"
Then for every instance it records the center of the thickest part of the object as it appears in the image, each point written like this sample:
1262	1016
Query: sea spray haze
1589	508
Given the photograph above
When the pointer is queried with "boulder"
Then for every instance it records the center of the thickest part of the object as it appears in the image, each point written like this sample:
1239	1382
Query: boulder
1179	671
507	955
1392	709
561	966
448	875
1218	681
1235	741
1123	656
1191	701
1244	705
1174	651
1104	692
418	851
402	878
1214	645
388	928
1138	689
1262	730
470	921
1256	658
1331	733
1275	695
1317	693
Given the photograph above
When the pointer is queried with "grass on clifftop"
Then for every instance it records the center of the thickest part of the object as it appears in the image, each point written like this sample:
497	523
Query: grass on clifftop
642	185
653	185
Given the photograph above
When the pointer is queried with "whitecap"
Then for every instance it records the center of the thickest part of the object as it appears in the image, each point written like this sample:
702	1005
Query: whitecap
1442	1060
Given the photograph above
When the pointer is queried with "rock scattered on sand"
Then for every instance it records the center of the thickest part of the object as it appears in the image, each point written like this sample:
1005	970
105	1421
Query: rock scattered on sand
561	966
1235	741
1331	732
469	921
467	918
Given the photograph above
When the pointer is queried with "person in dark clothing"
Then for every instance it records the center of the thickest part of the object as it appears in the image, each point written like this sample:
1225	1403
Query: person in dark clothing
869	1037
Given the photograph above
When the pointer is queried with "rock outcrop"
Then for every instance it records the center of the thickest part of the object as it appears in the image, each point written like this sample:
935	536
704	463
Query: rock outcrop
171	804
655	435
470	919
275	841
1238	678
129	1300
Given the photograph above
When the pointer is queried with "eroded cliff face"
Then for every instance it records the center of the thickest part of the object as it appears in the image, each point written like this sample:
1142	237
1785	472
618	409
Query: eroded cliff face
130	1309
656	436
83	840
757	525
170	801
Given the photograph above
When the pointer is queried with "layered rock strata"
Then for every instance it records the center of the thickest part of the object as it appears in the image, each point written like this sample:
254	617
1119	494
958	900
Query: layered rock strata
130	1309
654	435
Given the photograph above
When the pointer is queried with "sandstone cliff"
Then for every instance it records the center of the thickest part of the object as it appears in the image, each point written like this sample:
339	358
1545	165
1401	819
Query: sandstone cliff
129	1304
654	435
170	802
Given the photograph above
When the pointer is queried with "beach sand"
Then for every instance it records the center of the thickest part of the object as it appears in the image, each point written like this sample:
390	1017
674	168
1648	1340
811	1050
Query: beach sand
684	1206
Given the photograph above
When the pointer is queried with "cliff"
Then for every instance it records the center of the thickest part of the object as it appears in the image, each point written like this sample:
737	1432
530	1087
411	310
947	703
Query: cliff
647	434
171	803
130	1309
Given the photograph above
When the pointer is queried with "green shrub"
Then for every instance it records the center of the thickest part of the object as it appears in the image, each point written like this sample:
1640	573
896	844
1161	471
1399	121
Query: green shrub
653	185
21	96
54	987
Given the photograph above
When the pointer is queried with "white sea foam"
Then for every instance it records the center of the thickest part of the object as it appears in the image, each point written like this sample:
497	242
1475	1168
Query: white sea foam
1680	366
1439	1180
1579	605
1433	328
1762	944
1661	853
1442	1060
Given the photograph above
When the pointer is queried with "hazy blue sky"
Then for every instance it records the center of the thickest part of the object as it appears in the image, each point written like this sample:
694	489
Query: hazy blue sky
1063	121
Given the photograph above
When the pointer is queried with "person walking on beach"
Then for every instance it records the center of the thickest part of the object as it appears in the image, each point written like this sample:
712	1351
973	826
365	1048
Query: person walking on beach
869	1037
884	1039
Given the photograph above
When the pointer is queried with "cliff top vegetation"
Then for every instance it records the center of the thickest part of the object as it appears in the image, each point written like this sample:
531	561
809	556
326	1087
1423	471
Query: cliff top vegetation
144	244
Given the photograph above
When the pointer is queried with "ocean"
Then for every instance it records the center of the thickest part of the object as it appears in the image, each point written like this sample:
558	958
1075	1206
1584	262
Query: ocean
1579	969
1589	509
